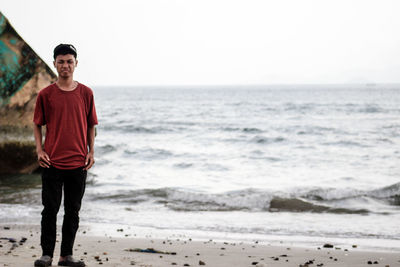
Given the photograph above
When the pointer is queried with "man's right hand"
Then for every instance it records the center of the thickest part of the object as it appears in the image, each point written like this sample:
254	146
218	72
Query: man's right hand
43	159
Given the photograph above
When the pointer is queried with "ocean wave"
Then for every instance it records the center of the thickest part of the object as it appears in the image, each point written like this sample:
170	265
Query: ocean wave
313	130
244	130
390	193
135	128
345	143
299	205
371	109
317	200
267	140
149	153
105	149
299	107
183	165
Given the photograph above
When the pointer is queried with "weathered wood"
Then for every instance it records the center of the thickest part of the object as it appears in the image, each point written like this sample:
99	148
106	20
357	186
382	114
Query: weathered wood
22	74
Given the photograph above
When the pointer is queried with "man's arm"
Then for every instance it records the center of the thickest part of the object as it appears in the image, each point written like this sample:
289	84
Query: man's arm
43	158
90	156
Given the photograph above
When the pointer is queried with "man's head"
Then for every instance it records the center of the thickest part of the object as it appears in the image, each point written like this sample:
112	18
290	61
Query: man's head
65	60
64	49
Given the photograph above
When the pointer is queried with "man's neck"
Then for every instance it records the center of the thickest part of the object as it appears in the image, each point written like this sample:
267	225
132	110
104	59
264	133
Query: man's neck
66	84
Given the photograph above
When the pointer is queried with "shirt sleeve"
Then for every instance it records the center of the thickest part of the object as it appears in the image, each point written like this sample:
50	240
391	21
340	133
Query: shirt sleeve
92	116
38	117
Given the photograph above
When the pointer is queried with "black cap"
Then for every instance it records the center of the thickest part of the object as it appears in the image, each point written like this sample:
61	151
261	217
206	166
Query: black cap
65	49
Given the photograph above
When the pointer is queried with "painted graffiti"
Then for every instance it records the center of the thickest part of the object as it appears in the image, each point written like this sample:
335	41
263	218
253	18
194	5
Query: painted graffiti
17	62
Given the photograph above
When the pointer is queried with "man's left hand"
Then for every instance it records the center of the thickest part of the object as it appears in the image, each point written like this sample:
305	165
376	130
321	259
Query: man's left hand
89	161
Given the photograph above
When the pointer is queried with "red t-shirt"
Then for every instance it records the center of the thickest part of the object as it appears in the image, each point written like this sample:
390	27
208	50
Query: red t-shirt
67	116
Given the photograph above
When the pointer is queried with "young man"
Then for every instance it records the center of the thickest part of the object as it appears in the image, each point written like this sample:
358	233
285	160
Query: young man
67	109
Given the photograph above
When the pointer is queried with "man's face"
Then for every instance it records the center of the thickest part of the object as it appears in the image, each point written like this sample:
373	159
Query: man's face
65	65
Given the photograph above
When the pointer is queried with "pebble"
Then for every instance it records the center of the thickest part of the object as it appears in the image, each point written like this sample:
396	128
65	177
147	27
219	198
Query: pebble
328	246
202	263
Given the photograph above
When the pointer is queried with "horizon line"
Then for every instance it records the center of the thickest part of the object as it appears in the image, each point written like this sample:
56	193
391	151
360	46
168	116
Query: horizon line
366	84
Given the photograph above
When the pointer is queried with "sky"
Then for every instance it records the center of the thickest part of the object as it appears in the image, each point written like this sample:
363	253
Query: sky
217	42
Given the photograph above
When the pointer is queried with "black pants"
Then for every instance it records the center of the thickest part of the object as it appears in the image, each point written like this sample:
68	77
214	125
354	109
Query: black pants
53	180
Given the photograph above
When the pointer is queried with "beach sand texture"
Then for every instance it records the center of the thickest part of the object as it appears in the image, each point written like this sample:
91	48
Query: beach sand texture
131	251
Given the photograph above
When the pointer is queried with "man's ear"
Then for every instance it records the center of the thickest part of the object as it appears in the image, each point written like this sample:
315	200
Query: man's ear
54	63
76	63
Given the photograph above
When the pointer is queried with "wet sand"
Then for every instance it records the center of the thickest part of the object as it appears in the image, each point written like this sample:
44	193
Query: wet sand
131	251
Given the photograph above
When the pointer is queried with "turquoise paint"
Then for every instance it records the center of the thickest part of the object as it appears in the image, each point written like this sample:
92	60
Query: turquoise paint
16	68
14	76
3	23
8	59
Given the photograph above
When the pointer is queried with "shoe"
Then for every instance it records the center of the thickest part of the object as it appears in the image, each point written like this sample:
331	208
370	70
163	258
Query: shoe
70	261
44	261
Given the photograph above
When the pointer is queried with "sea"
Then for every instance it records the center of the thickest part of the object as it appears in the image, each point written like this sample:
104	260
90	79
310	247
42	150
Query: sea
298	164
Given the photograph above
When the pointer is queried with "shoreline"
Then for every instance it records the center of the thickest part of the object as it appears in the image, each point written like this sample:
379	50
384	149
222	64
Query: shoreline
130	250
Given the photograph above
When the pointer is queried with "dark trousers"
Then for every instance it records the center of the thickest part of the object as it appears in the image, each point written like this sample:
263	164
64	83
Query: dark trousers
53	181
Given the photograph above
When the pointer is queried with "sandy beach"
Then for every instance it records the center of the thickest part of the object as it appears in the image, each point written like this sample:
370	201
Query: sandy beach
19	246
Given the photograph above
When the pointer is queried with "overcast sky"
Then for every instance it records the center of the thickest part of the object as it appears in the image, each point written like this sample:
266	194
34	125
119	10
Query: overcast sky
168	42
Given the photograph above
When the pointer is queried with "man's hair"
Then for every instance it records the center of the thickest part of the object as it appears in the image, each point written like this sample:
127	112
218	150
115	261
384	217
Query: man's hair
65	49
